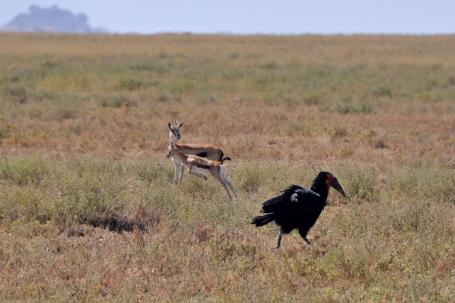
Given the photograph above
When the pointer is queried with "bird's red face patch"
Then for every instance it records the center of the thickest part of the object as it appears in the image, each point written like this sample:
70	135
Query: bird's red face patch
329	180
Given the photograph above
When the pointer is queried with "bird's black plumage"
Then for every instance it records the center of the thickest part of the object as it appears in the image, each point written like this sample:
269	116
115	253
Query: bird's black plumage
298	207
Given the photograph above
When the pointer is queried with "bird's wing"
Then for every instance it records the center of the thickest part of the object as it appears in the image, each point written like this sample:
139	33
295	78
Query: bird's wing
293	198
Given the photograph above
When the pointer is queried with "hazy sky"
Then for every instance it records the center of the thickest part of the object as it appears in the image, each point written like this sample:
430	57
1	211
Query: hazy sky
257	16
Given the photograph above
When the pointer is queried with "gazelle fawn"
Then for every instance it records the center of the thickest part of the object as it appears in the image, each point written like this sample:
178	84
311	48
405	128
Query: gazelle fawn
207	151
199	167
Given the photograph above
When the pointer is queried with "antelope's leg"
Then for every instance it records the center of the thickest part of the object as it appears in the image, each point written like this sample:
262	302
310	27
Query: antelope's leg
231	187
231	197
180	176
220	177
226	184
176	172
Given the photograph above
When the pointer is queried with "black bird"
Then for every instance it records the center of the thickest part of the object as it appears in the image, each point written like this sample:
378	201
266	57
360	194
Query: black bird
298	207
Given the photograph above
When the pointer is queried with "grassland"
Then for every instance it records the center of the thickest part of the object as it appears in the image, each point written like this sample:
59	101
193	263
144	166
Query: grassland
83	139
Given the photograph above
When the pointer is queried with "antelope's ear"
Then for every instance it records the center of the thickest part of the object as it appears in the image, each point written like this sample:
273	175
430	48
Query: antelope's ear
169	125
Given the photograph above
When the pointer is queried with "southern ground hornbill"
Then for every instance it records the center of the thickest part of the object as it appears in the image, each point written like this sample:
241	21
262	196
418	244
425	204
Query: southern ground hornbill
298	207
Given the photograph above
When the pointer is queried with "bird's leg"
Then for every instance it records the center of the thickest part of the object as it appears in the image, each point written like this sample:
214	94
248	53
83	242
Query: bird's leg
306	240
303	232
278	244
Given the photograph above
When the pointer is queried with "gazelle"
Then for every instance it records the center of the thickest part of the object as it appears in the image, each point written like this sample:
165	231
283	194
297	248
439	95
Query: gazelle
199	166
207	151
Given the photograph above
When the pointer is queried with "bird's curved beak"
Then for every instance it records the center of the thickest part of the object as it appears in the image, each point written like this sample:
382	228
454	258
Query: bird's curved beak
337	186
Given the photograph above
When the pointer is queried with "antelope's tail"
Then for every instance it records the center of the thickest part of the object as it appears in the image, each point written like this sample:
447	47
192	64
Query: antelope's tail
224	159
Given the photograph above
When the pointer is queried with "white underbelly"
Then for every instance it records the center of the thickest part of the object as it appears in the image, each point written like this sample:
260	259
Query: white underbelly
201	170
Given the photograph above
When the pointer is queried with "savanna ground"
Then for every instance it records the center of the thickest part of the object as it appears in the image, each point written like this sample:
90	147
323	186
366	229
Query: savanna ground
83	139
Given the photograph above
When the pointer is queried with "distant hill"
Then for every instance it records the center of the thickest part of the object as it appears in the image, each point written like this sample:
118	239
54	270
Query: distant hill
52	19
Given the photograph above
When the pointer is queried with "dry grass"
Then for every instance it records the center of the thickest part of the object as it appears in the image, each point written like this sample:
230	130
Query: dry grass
83	140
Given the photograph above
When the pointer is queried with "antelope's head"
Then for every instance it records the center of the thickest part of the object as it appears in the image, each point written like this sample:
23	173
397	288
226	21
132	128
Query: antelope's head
174	130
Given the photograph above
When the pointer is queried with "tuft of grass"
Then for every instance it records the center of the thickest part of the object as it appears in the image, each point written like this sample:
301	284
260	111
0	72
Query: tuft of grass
410	218
360	183
132	84
380	143
97	193
340	132
65	113
354	107
436	184
250	179
23	171
163	98
16	93
27	205
383	91
313	100
155	67
152	171
4	132
115	102
179	87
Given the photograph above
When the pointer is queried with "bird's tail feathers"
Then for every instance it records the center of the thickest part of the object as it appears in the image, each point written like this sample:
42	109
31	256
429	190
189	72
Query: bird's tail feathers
262	220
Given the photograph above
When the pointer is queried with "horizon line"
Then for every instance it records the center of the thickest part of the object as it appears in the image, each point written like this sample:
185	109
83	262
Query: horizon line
227	33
